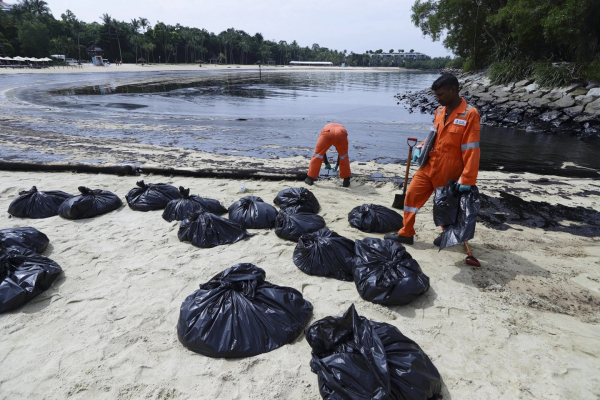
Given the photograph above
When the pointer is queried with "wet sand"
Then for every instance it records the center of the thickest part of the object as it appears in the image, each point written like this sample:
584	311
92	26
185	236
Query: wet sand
524	325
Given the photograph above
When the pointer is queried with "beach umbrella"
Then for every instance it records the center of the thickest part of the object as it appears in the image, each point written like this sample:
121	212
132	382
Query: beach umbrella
200	61
141	59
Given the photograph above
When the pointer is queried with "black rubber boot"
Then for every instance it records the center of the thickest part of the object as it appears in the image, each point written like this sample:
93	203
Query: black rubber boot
309	181
400	239
346	182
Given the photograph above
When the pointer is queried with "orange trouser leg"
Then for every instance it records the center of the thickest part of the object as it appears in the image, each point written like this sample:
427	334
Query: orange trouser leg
323	144
417	194
341	145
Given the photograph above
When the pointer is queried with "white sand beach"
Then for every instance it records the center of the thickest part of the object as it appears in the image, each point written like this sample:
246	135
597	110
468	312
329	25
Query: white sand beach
523	326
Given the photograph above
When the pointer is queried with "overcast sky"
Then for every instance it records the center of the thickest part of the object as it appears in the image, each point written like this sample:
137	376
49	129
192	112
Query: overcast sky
353	25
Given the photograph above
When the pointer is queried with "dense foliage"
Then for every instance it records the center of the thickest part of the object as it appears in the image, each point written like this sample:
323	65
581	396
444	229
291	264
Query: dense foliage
517	38
29	29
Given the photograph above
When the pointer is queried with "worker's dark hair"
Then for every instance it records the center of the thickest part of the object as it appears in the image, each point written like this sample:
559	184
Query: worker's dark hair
446	80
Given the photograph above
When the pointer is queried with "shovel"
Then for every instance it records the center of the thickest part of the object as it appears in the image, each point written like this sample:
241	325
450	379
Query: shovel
399	198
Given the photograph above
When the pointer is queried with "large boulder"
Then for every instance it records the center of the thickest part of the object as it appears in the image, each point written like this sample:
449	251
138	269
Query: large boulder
579	92
563	102
523	83
539	102
570	88
594	92
583	100
573	111
593	108
553	95
549	116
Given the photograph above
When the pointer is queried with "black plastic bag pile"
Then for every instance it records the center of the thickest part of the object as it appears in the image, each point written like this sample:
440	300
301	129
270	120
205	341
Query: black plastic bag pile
297	200
26	237
325	253
239	314
23	272
178	209
35	204
291	225
355	358
458	210
384	272
151	196
204	229
89	203
375	218
252	212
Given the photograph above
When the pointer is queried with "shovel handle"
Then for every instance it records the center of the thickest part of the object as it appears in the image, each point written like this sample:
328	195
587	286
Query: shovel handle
410	149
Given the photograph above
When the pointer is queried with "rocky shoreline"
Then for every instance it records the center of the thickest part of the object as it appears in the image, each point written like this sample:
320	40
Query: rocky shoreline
572	110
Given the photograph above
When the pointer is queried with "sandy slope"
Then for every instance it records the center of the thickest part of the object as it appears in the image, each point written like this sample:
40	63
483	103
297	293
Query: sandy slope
106	329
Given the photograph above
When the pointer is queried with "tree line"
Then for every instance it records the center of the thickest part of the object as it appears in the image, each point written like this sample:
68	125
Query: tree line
558	39
29	29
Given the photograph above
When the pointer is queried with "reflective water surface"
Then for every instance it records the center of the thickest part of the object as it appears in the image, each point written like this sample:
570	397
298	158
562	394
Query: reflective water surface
279	115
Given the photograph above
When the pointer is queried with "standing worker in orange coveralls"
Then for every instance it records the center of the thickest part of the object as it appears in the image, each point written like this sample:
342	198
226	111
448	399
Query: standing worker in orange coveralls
454	156
331	135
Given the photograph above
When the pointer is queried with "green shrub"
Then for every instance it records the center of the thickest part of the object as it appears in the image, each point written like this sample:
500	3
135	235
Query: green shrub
507	71
591	71
457	63
551	76
469	65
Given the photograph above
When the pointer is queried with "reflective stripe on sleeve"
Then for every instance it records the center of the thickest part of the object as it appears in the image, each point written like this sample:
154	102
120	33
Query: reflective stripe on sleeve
411	209
318	156
467	146
344	156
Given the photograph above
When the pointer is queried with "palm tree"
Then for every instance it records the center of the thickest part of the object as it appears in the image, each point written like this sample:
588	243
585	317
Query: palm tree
39	7
135	27
144	23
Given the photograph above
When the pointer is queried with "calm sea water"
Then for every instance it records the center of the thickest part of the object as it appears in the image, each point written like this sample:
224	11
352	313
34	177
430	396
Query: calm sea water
279	115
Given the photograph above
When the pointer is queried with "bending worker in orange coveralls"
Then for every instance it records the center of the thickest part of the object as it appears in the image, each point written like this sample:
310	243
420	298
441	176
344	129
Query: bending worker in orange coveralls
455	154
331	135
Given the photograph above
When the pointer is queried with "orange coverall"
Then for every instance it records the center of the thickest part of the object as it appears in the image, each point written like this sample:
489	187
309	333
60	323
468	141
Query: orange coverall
455	156
331	135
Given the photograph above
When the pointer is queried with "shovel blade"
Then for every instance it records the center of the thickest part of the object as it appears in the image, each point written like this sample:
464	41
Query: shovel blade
399	201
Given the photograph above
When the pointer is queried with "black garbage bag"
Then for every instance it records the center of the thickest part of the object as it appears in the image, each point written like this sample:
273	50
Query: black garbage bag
253	212
298	199
355	359
27	238
384	272
348	358
445	204
325	253
464	227
204	229
375	218
178	209
412	374
35	204
89	204
291	225
151	196
239	314
23	275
